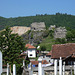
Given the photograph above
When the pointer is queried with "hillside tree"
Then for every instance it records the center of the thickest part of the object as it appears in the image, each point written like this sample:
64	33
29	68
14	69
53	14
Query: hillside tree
43	48
69	36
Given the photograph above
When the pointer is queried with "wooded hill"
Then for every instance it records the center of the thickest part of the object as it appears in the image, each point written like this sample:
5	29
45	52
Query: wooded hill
57	19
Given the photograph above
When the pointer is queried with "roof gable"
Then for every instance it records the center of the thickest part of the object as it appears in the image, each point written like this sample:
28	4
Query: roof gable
29	46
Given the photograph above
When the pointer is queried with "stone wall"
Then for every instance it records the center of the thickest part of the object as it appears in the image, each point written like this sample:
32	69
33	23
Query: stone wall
38	26
52	27
60	32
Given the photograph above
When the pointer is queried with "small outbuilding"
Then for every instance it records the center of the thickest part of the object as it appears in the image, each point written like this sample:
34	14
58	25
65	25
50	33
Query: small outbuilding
31	50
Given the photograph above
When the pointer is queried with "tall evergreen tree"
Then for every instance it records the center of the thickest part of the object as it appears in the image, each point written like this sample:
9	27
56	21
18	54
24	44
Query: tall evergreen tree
11	46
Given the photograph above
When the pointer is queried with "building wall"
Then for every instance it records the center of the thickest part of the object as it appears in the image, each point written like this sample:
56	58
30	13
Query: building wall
47	58
31	53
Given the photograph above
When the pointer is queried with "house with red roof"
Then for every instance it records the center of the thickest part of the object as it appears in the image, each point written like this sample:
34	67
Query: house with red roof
48	57
66	51
35	63
31	50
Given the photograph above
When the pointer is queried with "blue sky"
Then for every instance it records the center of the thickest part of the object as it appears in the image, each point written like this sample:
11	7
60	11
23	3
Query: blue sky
16	8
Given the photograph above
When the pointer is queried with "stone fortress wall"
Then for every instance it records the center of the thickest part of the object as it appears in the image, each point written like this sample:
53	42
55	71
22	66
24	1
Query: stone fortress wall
38	26
60	32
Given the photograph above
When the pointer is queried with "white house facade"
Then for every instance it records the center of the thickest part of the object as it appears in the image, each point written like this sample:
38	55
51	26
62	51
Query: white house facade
31	51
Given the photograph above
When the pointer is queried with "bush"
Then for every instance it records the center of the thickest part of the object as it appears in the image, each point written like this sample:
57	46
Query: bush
60	40
51	32
46	33
31	35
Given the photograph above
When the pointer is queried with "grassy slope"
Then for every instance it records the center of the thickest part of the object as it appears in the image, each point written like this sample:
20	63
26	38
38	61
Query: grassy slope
48	42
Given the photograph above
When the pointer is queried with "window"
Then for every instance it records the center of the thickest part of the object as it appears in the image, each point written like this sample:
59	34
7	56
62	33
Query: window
30	54
49	60
34	28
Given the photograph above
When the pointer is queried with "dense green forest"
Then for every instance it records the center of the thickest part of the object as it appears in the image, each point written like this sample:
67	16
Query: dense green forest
58	19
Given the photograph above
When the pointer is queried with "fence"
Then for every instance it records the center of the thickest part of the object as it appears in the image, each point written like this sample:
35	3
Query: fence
55	70
8	70
0	62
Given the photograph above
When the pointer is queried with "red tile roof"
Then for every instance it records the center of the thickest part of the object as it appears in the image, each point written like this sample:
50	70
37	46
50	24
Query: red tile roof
44	62
29	46
36	62
63	50
50	53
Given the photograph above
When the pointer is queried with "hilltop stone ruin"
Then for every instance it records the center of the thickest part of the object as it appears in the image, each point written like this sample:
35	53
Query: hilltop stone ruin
38	26
60	32
52	27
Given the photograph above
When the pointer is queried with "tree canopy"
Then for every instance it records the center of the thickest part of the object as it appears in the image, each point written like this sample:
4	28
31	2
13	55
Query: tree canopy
43	48
70	36
57	19
11	46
